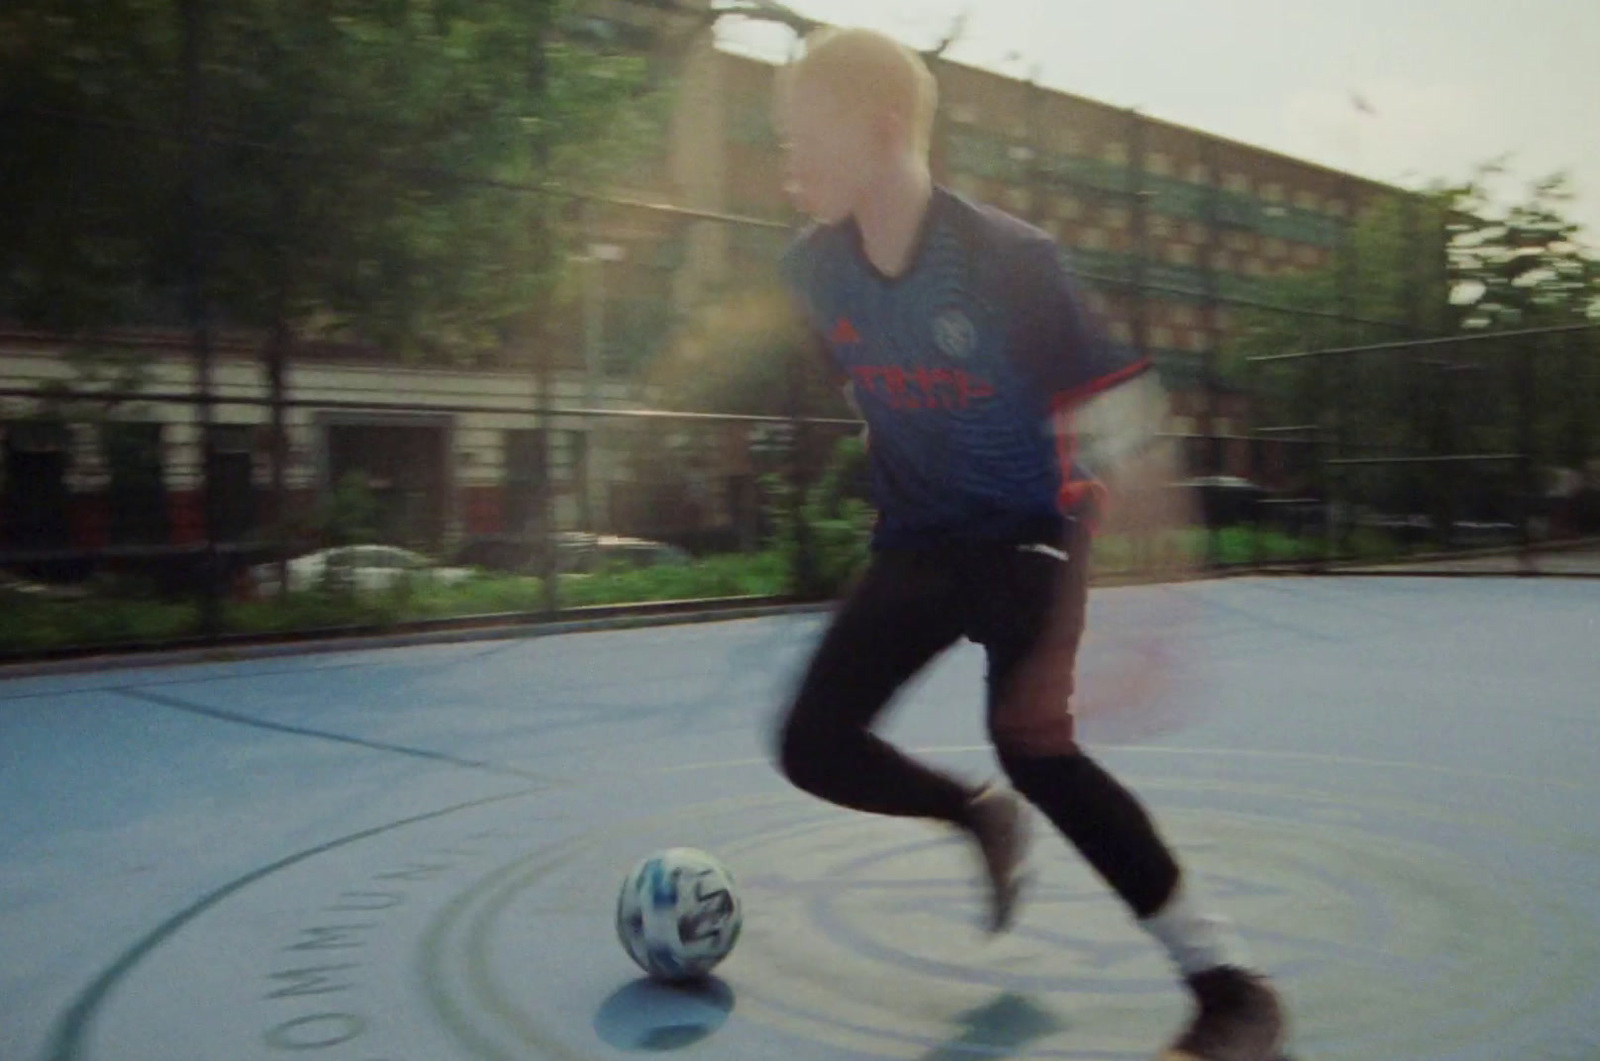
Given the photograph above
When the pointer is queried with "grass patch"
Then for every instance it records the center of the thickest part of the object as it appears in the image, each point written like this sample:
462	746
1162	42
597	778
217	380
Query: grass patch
761	574
1232	547
31	625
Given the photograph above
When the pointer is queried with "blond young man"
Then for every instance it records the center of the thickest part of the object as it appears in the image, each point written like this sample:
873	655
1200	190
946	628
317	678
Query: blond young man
961	339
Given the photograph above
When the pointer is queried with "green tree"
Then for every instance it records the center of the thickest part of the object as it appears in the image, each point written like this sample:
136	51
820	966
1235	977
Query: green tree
392	175
361	186
1523	266
1440	263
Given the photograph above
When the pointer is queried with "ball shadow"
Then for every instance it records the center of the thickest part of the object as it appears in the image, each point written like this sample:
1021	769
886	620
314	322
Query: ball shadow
648	1016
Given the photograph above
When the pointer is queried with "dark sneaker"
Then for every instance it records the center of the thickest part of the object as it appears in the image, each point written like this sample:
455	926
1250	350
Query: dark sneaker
1238	1018
998	820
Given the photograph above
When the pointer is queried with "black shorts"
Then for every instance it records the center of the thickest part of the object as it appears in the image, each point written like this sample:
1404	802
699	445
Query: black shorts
1023	601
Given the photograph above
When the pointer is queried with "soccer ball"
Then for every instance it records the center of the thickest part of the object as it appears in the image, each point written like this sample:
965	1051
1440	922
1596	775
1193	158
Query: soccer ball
678	914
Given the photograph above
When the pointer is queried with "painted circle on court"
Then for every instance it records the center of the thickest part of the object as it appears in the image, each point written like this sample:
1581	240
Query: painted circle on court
487	932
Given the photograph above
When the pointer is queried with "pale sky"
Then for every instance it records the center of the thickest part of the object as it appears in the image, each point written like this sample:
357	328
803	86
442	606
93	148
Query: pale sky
1452	82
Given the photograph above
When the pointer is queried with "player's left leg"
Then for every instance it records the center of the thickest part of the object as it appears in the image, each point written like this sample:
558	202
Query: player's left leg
1027	608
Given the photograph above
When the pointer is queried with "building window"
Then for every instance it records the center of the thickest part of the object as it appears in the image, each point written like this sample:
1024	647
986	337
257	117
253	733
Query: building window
1272	193
1276	248
1197	340
233	481
1115	152
1236	182
1160	227
1305	200
1068	207
1068	142
1121	332
1196	232
1159	164
1116	217
1161	338
964	113
1197	173
1093	239
1336	207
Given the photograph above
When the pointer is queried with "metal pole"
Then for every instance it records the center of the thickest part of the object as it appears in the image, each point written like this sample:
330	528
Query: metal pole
1322	450
594	305
1414	434
541	513
1338	529
803	577
1253	387
1139	239
1139	232
1526	467
1213	326
277	358
193	14
541	510
1582	396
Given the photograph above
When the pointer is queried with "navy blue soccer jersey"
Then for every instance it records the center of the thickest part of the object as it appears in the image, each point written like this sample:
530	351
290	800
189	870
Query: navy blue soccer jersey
958	365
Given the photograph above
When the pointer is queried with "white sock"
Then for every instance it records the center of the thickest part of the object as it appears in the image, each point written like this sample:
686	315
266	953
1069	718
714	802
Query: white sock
1196	940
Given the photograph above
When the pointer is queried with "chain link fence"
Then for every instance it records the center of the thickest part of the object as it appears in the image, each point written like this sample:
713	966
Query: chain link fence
648	436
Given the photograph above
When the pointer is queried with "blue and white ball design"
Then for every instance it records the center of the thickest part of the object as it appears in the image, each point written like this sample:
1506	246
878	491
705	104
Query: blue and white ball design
679	914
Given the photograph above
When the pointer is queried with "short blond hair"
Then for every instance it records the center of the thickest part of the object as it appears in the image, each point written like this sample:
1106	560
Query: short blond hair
865	68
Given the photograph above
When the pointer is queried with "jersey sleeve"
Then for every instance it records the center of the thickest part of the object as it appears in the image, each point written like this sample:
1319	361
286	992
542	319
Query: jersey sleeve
1061	347
798	271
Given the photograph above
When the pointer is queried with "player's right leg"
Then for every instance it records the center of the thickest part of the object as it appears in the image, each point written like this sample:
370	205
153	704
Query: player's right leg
901	615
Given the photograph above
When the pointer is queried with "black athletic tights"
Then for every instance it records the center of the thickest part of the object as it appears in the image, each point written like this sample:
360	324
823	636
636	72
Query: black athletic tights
908	607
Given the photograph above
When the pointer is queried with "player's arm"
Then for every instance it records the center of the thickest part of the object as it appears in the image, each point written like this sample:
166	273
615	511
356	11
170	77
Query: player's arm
1118	426
1108	405
849	392
796	268
815	351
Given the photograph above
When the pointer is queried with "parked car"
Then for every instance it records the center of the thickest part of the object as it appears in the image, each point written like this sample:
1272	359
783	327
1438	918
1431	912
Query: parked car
578	552
363	568
1227	500
583	553
11	585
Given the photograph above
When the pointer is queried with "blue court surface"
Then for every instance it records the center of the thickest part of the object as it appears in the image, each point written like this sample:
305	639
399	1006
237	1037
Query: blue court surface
413	854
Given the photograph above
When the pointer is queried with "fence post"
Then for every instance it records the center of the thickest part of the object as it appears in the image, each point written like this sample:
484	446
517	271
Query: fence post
1213	328
1339	529
1582	396
1254	374
197	266
540	523
803	579
277	357
1527	471
1322	437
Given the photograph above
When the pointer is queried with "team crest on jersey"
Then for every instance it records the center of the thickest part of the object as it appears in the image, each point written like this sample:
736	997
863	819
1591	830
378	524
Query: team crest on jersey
954	335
